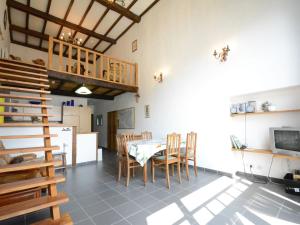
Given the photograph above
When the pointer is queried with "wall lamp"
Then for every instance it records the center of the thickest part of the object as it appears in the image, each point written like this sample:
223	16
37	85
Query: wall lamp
159	77
222	56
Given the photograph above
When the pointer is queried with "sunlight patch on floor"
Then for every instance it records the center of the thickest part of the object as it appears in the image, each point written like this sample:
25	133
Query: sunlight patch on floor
167	215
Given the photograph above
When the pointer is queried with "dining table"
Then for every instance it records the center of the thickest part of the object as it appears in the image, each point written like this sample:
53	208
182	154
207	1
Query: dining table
143	150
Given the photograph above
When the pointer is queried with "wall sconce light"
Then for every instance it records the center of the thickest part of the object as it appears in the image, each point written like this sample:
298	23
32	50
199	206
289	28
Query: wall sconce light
158	78
222	56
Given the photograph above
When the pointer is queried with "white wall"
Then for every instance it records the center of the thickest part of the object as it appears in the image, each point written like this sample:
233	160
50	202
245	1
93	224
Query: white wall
5	43
179	38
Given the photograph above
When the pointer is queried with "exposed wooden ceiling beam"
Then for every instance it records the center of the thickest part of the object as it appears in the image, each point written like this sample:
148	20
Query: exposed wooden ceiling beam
9	21
121	10
29	32
124	32
45	21
27	21
43	15
65	17
96	25
115	23
73	94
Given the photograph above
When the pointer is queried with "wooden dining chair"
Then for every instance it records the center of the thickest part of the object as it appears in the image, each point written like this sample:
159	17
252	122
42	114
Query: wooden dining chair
171	157
189	154
124	160
146	135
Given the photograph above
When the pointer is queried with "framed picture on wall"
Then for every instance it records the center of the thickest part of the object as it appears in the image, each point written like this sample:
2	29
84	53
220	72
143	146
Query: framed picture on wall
134	45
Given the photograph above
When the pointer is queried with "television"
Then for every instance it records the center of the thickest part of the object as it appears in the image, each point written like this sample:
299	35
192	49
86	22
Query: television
285	140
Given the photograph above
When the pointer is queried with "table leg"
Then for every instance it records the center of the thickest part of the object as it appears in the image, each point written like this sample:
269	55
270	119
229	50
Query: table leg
145	174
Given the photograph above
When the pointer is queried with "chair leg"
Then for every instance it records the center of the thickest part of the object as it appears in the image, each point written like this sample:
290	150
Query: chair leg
119	170
153	171
172	165
195	167
167	176
187	169
178	171
128	175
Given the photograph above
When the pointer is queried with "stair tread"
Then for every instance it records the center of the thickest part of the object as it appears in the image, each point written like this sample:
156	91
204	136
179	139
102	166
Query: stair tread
10	88
64	220
23	83
29	183
28	114
23	63
15	76
22	66
23	97
19	72
27	136
28	165
32	205
31	124
28	150
24	105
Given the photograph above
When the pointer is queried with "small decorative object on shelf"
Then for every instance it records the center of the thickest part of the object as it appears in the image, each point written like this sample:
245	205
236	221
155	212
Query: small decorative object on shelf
222	56
233	109
241	108
268	107
251	106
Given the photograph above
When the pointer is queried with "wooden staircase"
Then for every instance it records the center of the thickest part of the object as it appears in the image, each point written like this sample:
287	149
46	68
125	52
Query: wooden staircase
28	78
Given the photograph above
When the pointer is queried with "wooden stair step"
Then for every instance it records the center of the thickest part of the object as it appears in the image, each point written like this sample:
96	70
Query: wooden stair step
24	97
31	125
12	104
23	83
21	77
28	114
64	220
22	67
30	183
29	165
27	136
9	88
23	63
23	73
28	150
32	205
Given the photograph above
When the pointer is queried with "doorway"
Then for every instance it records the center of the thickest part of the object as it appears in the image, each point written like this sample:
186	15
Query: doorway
112	126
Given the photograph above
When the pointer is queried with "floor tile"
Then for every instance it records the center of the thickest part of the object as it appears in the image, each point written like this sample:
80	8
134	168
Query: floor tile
97	208
128	209
139	218
107	218
116	200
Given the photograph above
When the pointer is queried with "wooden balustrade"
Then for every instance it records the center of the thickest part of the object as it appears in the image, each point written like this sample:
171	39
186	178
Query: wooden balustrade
80	61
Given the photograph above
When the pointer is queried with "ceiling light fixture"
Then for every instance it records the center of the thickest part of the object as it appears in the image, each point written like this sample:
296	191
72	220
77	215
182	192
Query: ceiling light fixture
83	90
120	2
70	39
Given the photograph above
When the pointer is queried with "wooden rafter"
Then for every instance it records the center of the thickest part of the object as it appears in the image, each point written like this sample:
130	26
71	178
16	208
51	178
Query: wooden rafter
65	17
27	22
115	23
43	15
121	10
96	25
45	21
143	13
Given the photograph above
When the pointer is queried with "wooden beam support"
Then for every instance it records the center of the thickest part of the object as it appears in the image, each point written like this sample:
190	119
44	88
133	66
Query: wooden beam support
43	15
29	32
121	10
73	94
65	17
45	21
27	22
90	81
124	32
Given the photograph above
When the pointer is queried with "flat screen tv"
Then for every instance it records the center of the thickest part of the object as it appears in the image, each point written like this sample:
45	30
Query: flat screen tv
285	140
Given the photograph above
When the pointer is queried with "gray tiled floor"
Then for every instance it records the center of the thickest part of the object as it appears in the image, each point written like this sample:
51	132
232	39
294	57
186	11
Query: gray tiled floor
97	199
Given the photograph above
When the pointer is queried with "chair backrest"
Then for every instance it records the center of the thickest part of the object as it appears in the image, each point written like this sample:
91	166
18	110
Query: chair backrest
191	144
173	145
146	135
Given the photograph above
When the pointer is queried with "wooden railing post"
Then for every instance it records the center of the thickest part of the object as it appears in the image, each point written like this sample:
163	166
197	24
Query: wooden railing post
136	75
125	73
108	69
78	60
60	64
86	72
101	67
130	74
94	64
70	59
50	52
